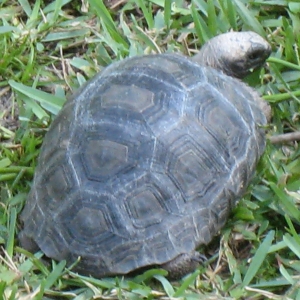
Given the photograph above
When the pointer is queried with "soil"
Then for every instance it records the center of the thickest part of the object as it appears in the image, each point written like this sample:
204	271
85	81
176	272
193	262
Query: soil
8	110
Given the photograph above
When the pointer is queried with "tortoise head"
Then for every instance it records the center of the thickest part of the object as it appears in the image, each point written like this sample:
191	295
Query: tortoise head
234	53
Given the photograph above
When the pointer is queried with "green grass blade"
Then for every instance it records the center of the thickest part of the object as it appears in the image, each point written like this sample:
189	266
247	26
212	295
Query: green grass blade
26	7
212	17
248	18
2	287
5	162
55	274
104	15
52	6
149	274
37	110
201	5
231	14
186	283
146	39
292	229
147	12
139	289
282	62
258	258
14	292
286	274
40	291
34	14
285	201
51	101
11	231
167	13
289	41
166	285
7	29
64	35
292	244
200	28
232	261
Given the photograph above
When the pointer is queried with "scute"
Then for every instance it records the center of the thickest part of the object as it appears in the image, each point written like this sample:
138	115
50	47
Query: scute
111	97
103	159
143	164
58	182
87	221
188	160
145	207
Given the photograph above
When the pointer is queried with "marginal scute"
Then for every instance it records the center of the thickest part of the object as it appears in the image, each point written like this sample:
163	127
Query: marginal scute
94	263
183	233
126	256
59	133
38	224
222	121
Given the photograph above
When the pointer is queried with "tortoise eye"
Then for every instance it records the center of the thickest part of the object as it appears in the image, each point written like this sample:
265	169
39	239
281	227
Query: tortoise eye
255	55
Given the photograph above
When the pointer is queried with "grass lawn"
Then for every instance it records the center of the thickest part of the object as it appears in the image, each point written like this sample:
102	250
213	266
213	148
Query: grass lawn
50	48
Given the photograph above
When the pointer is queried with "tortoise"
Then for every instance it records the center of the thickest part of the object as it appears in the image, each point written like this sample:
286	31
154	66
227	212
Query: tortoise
145	162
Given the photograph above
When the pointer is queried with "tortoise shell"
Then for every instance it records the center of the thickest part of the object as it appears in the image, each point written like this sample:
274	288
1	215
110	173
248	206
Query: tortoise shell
143	164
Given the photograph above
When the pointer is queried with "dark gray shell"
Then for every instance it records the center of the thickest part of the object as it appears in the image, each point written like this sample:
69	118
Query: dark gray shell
143	164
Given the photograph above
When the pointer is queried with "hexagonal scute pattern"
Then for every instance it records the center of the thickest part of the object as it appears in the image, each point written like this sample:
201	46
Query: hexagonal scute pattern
145	207
111	97
145	98
110	154
220	119
194	170
58	183
142	165
86	219
103	159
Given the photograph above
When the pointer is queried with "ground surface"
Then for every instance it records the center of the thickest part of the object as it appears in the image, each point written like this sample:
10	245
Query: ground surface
49	49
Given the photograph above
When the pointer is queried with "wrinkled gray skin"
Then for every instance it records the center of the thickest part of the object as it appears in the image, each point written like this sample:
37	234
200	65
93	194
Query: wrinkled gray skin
235	54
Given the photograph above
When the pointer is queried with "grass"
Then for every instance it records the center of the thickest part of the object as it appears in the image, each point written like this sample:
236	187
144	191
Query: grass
50	48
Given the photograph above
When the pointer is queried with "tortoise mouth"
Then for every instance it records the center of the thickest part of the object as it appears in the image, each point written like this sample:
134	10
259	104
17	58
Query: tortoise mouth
258	60
241	69
257	56
253	60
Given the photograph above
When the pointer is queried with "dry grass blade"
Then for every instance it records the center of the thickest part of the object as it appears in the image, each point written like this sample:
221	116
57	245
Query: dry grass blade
285	138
